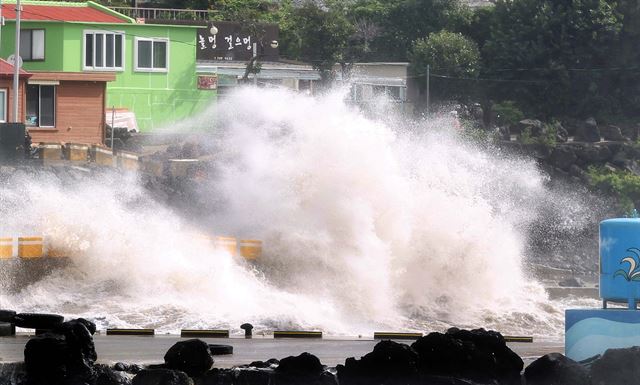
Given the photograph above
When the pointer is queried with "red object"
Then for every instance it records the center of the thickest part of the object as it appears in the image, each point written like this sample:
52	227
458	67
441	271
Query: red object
82	13
6	70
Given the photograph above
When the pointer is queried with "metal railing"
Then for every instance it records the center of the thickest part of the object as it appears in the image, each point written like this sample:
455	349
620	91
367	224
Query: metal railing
164	13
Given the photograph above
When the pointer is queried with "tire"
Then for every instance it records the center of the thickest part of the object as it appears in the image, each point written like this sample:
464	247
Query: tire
7	329
7	315
219	350
38	321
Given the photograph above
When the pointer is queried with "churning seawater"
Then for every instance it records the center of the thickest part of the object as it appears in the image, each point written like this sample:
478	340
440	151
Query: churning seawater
367	223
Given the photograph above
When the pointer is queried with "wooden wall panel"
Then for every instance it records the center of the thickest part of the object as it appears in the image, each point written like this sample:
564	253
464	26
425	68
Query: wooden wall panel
79	114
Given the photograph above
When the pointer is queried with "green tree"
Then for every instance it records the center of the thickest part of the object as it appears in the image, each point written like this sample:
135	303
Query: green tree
407	20
448	54
548	49
316	34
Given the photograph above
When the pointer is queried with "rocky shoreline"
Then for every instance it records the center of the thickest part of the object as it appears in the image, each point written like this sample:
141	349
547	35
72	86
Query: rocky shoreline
64	353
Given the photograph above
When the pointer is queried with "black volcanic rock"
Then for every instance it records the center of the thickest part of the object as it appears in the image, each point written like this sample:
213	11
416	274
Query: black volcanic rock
389	363
254	377
556	369
161	377
216	376
38	321
303	369
617	367
562	157
190	356
7	315
45	358
477	355
588	131
80	347
107	376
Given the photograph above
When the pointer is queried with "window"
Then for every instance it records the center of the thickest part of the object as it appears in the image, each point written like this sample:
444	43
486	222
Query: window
151	54
3	105
103	51
32	44
41	106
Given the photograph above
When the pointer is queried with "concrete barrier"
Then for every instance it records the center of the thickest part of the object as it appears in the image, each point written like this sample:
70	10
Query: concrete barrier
296	334
250	249
131	332
518	339
182	167
206	333
396	336
154	167
128	160
102	155
57	252
30	247
50	152
6	248
76	152
229	244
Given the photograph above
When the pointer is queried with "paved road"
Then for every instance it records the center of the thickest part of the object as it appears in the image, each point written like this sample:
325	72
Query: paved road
331	352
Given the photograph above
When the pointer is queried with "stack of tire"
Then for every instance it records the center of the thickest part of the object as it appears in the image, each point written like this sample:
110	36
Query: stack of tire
9	319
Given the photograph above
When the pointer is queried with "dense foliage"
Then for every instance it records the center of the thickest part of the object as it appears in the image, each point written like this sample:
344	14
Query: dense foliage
549	58
623	184
452	56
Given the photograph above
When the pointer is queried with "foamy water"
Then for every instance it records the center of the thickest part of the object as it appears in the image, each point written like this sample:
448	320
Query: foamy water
366	224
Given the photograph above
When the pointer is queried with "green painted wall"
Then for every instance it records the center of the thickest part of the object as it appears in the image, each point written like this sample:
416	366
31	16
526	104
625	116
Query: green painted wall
157	98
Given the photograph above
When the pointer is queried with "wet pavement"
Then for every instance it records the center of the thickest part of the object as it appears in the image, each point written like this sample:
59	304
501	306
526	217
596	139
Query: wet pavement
144	350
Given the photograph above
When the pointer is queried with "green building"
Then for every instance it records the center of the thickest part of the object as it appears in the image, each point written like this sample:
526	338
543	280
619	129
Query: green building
154	65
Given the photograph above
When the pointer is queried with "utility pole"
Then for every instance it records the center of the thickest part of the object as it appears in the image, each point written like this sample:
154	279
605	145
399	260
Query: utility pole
1	20
16	66
428	78
255	62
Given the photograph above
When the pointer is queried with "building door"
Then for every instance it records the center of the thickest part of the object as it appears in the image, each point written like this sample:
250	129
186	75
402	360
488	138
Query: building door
3	105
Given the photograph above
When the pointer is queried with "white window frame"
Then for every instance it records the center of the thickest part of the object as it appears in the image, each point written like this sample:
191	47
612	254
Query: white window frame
3	118
55	106
152	40
104	50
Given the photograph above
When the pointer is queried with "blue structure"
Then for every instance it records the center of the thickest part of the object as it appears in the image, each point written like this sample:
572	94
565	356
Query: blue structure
589	332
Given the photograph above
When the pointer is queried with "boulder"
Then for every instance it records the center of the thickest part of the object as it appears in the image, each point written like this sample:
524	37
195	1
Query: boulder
7	329
611	132
562	157
38	321
590	154
80	347
303	369
556	369
534	126
161	377
577	172
190	356
588	131
476	355
537	150
105	375
45	357
7	315
503	133
216	376
617	367
389	363
124	367
562	135
254	377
